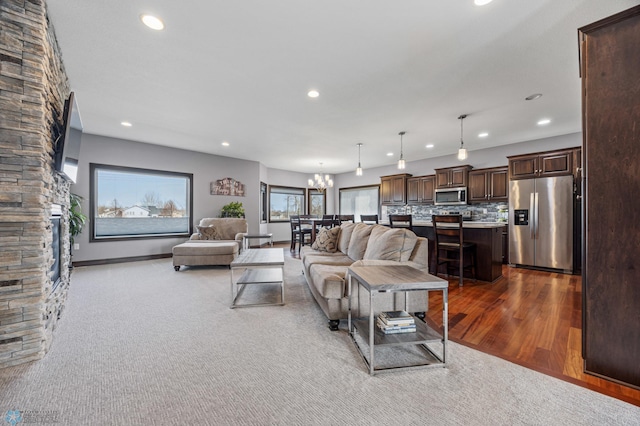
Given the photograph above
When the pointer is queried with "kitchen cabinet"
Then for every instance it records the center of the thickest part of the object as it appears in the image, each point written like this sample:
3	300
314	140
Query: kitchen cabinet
610	72
505	246
452	177
489	185
542	164
489	248
420	189
393	189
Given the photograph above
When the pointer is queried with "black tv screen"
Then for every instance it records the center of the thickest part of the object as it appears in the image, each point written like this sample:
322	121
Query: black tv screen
68	145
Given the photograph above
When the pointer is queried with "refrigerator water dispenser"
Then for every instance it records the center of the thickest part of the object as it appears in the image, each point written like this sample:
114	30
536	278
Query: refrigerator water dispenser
521	217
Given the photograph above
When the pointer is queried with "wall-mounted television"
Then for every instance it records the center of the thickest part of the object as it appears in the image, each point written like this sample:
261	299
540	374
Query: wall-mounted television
67	152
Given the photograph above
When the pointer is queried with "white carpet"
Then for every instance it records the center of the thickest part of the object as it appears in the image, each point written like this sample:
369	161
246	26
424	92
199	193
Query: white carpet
140	344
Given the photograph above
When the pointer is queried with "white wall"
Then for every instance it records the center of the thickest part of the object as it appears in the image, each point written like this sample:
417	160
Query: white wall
206	168
278	177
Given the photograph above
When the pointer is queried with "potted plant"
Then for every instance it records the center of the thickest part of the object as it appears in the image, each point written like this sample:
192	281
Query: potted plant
77	219
233	209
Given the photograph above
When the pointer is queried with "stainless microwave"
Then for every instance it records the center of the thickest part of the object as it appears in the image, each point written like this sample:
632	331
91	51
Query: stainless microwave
451	196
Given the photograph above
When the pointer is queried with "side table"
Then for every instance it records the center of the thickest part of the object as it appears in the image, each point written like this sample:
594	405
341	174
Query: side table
261	266
389	279
247	237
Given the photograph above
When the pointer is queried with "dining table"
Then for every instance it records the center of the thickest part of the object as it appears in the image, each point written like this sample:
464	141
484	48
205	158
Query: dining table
316	223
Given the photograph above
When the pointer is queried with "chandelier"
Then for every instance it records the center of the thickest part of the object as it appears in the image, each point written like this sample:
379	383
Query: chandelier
320	182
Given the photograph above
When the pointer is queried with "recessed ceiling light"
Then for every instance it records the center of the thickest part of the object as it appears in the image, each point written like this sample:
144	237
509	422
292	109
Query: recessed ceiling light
152	22
482	2
225	143
483	135
429	146
389	154
126	124
544	122
313	94
533	97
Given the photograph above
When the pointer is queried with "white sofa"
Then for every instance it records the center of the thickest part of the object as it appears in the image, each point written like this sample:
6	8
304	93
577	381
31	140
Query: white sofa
361	245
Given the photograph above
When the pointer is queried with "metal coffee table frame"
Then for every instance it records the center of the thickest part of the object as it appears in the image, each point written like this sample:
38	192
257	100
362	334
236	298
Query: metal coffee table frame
390	279
246	239
261	266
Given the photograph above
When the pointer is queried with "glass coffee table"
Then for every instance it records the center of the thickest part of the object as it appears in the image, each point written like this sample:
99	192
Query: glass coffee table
431	344
261	266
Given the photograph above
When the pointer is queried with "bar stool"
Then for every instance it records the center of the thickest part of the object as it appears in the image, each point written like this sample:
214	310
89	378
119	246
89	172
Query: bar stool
450	247
401	221
369	219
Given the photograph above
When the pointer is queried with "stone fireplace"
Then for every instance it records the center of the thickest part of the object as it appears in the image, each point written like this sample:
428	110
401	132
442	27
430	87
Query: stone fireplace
34	87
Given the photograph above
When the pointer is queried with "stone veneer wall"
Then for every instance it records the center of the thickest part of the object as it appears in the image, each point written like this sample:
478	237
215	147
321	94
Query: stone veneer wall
33	87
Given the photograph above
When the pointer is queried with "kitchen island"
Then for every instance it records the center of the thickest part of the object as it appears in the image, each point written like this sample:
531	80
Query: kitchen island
488	239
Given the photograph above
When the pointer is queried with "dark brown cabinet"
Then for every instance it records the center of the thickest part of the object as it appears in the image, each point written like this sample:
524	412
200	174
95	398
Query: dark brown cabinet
452	177
489	185
610	71
393	189
542	164
420	189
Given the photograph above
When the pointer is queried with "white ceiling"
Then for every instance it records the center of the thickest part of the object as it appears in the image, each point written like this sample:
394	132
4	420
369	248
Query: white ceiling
239	71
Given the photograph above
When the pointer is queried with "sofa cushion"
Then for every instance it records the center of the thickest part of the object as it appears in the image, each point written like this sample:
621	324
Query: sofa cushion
327	240
358	241
328	280
346	229
390	244
208	232
334	260
201	249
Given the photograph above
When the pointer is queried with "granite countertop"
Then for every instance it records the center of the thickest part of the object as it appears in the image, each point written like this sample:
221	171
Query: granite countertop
465	224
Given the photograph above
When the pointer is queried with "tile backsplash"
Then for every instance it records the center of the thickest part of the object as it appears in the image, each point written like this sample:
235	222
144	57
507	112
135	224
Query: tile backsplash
484	212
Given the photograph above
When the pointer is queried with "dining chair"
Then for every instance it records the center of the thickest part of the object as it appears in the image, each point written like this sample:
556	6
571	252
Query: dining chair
328	221
450	246
346	218
369	219
298	233
401	221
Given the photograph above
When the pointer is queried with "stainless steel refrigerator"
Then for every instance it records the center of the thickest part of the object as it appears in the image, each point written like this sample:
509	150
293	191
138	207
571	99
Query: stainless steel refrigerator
541	222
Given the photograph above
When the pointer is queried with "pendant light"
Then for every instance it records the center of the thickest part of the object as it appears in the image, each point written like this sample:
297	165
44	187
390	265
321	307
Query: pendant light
359	169
401	164
462	152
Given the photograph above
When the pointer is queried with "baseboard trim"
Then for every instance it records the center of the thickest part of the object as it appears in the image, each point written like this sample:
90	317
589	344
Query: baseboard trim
121	260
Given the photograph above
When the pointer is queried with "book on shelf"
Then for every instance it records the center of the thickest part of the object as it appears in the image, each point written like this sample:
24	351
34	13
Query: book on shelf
397	318
391	329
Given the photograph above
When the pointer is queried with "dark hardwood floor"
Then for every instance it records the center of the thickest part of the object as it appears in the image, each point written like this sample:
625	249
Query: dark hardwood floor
531	318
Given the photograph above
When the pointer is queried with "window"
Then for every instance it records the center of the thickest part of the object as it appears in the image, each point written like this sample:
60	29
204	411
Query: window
128	203
317	203
263	202
284	202
359	200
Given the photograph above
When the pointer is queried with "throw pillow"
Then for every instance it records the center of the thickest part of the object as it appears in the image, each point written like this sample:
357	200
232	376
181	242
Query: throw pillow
327	240
208	232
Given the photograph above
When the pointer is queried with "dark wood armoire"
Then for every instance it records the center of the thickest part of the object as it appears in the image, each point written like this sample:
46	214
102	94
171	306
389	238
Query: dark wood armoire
610	71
